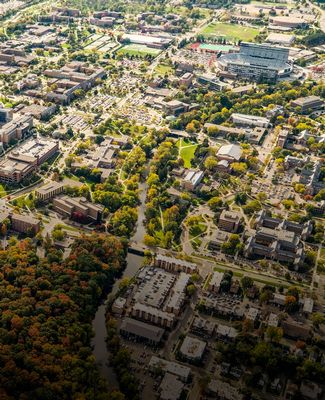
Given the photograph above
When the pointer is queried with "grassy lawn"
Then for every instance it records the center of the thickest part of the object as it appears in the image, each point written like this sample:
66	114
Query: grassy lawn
138	50
186	151
2	191
231	32
163	69
24	202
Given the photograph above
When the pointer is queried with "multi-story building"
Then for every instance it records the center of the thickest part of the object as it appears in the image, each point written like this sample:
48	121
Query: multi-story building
278	239
256	62
309	103
15	129
49	190
141	331
174	264
25	159
70	206
215	281
24	224
229	221
250	120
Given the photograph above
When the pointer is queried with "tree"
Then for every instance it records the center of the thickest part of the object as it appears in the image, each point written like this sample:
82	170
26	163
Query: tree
274	334
317	319
210	163
247	282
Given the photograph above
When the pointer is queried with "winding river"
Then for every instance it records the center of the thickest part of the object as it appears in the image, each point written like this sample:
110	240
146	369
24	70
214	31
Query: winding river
134	262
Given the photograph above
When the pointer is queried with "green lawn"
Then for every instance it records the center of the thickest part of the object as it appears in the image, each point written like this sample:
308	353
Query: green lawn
2	191
231	32
186	151
138	50
163	69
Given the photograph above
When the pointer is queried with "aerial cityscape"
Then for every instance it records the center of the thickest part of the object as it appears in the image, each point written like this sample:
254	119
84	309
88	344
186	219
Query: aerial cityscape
162	199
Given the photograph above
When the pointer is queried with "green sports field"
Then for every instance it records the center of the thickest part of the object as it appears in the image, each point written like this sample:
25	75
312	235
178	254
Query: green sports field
138	50
231	32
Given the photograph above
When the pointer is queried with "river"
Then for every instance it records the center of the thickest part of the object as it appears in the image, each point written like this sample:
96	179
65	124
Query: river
134	262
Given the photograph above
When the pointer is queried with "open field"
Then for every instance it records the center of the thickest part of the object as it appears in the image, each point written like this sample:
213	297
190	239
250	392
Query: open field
186	151
139	50
163	69
231	32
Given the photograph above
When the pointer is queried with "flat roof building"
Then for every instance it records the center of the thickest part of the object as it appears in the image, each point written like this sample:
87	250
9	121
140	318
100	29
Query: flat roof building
192	349
250	120
215	281
138	330
77	206
229	221
25	224
280	38
177	369
309	103
49	190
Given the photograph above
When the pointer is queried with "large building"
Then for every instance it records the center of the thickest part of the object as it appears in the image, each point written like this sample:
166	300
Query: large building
256	62
76	206
278	239
49	190
229	221
309	103
14	129
26	158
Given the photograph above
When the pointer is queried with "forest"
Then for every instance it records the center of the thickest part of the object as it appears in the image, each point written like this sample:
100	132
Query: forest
46	309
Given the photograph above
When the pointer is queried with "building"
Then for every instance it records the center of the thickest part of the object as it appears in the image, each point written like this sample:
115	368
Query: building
192	349
225	131
192	179
158	42
281	39
226	333
288	22
203	327
294	330
153	315
15	129
256	135
229	221
141	331
278	239
217	240
282	138
25	159
25	224
229	152
40	112
6	115
212	82
250	120
174	264
179	370
170	388
49	190
310	390
223	390
215	281
77	207
69	79
256	62
308	104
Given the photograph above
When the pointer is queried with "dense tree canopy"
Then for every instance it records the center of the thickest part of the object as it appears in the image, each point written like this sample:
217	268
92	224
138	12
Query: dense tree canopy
46	310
